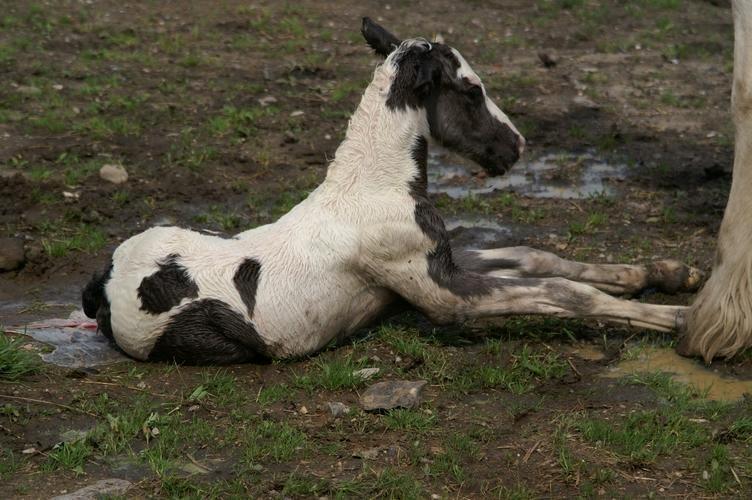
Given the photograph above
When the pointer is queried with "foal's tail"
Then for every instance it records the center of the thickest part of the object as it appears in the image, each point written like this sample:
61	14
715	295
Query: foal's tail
95	302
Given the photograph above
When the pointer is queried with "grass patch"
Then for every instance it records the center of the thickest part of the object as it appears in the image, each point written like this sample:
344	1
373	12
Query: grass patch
404	341
643	436
274	393
331	374
272	441
84	238
9	463
409	420
71	456
459	448
520	375
217	386
386	483
15	363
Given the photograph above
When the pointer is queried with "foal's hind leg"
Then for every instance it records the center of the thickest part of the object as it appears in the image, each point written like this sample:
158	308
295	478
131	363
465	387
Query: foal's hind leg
668	276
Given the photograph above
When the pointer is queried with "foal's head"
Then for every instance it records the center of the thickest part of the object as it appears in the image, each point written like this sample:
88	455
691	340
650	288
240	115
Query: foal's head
460	115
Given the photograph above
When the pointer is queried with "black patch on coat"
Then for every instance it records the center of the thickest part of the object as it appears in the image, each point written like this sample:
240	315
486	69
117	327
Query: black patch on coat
167	287
417	73
441	266
246	281
95	302
209	332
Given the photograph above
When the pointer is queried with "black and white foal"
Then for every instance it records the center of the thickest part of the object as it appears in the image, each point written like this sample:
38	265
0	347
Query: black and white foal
367	236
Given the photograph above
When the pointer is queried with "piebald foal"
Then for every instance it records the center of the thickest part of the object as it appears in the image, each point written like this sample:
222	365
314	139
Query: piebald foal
367	236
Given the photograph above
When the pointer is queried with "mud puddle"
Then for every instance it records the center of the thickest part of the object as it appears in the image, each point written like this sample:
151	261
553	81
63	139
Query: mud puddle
74	340
562	175
687	371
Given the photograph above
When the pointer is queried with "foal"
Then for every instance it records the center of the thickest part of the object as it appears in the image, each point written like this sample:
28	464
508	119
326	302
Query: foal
367	236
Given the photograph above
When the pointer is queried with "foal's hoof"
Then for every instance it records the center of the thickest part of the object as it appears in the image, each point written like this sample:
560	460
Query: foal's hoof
671	276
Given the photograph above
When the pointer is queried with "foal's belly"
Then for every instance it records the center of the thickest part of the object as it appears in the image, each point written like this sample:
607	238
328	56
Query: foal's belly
301	321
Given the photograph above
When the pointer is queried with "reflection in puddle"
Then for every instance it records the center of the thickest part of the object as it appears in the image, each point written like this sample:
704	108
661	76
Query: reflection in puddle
683	370
75	340
477	232
566	176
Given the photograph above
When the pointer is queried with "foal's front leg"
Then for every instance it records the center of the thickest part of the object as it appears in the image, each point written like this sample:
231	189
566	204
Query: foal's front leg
669	276
447	293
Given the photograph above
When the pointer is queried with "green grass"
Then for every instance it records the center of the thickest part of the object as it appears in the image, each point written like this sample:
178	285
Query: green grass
9	463
334	374
218	386
643	436
459	449
15	363
520	375
404	341
271	441
300	485
386	483
274	393
409	420
84	238
71	456
224	219
241	123
717	474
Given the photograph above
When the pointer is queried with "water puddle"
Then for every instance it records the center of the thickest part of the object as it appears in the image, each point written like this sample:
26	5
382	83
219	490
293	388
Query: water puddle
477	232
684	370
588	352
567	176
75	340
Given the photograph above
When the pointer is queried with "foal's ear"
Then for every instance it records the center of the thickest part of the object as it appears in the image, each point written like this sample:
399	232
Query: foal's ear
379	39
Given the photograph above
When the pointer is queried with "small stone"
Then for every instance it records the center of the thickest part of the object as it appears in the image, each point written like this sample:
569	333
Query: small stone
327	137
28	451
297	113
393	394
28	90
303	410
193	408
547	59
105	487
652	220
338	409
290	138
366	373
585	102
57	86
115	174
12	255
267	100
371	454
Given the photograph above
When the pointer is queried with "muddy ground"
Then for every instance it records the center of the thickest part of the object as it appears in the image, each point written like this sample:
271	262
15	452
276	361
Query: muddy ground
514	409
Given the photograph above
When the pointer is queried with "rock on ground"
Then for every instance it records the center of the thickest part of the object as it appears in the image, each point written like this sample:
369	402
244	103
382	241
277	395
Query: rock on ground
105	487
393	394
338	409
12	254
115	174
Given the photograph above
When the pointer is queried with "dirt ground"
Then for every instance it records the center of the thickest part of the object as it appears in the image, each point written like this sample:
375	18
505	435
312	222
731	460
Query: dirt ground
224	115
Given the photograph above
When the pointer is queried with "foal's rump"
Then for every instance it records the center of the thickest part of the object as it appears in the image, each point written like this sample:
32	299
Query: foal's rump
156	303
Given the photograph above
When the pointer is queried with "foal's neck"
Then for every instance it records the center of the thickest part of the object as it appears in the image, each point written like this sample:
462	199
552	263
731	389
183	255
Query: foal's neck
381	146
